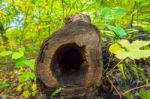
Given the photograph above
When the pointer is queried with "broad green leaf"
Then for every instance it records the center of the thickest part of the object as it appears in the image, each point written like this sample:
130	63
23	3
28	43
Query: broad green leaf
144	94
17	55
115	47
132	50
135	44
57	91
119	31
27	76
20	62
5	53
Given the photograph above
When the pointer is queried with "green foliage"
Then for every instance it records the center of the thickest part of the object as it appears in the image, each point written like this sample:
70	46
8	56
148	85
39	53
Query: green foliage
25	69
28	22
129	96
121	69
5	53
144	94
4	84
56	92
118	30
26	76
108	13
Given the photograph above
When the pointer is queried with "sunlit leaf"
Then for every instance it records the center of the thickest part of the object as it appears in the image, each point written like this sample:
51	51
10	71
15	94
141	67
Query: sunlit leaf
17	55
22	49
27	76
26	94
33	87
132	50
5	53
19	87
30	63
115	47
20	62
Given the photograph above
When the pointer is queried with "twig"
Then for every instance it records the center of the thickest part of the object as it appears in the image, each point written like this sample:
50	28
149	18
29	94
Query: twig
114	67
114	87
147	85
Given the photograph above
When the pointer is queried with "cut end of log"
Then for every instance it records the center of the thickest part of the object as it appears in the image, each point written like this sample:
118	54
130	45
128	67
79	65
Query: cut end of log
78	17
71	59
69	64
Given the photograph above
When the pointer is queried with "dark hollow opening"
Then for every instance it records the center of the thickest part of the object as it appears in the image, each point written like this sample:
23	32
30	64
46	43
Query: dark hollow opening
68	64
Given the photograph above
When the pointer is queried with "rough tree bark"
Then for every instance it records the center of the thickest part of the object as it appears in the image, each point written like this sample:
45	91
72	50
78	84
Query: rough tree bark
71	59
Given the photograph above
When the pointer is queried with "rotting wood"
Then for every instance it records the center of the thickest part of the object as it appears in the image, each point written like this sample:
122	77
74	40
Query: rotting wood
71	59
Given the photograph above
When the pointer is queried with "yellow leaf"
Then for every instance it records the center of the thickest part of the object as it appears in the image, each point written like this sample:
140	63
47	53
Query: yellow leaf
34	87
26	94
114	48
19	87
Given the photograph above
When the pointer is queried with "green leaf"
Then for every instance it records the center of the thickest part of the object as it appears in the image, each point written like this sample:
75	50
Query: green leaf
57	91
132	50
129	96
26	94
4	84
135	70
118	30
118	12
5	53
17	55
120	68
135	44
144	94
20	62
106	13
26	76
30	63
115	47
22	49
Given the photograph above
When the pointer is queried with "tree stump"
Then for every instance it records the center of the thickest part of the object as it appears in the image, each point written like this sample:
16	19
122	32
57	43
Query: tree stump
71	59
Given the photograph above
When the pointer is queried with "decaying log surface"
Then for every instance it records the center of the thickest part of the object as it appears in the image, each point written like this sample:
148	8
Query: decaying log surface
71	59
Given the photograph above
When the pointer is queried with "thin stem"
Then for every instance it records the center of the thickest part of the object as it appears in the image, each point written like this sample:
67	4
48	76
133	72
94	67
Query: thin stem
114	67
147	85
114	87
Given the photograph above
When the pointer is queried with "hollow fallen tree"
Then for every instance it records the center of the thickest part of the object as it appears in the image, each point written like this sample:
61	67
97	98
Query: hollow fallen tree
71	59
